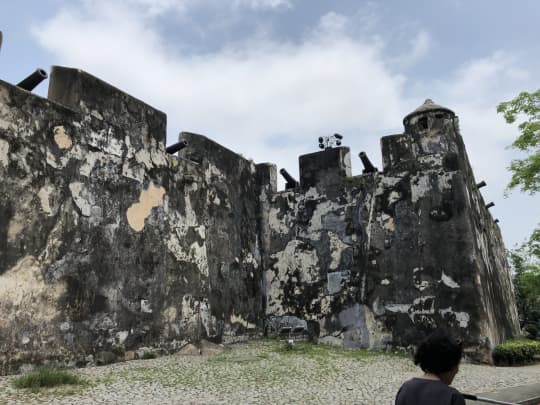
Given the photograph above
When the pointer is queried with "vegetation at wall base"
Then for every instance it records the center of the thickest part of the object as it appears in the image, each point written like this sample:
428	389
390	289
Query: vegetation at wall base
149	355
525	263
516	352
46	377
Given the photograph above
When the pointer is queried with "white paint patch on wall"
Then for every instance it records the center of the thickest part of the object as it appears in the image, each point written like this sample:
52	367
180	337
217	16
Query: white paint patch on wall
143	157
90	159
122	336
433	160
420	187
196	253
462	317
393	197
191	218
336	248
16	225
212	172
4	153
387	222
288	259
78	193
323	208
276	224
146	307
114	147
134	172
44	195
385	183
401	308
242	321
445	181
291	258
379	338
448	281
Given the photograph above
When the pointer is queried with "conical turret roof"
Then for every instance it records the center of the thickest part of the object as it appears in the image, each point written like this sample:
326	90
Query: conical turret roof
428	106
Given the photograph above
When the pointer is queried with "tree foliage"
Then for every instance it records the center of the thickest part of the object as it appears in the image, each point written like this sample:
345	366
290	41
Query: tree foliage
525	262
526	108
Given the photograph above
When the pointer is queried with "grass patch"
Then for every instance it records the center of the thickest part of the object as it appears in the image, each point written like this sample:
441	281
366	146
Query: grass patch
149	355
46	378
317	350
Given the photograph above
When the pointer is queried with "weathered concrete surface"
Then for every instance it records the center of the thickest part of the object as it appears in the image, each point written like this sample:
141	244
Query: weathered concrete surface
524	394
106	242
381	259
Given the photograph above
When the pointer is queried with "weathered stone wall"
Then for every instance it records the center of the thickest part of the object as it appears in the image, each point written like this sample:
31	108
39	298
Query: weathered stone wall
381	259
107	243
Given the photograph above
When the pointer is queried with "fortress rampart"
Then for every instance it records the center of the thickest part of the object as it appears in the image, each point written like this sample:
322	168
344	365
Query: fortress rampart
108	243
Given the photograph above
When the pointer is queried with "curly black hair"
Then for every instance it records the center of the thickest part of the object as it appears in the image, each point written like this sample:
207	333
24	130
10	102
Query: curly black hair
438	353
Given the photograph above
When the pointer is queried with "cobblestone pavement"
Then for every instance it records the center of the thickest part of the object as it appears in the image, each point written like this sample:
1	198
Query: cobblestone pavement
260	373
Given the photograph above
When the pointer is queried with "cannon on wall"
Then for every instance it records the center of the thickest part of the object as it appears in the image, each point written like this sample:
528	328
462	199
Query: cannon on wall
172	149
368	166
30	82
291	182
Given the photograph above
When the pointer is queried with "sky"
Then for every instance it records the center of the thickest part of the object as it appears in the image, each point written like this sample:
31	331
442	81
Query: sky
266	78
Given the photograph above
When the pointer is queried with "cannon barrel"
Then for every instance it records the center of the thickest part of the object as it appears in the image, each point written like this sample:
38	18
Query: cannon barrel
172	149
481	184
291	182
489	205
368	166
30	82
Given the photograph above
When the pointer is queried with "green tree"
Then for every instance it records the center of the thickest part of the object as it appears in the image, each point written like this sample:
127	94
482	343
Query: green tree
525	263
525	260
526	108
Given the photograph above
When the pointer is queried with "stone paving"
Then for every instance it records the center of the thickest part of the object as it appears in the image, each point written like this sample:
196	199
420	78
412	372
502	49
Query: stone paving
260	372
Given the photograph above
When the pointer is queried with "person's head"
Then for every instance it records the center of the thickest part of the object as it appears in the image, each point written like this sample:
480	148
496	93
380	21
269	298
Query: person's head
439	354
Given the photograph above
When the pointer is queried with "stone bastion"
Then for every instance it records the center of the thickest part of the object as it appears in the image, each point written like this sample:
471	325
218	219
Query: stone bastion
108	243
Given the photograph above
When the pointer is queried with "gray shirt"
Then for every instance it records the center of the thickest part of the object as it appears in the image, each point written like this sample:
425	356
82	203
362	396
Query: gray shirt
420	391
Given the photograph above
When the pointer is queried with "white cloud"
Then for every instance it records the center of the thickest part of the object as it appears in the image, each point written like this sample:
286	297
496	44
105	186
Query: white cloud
263	4
154	8
332	23
271	100
245	96
473	92
420	46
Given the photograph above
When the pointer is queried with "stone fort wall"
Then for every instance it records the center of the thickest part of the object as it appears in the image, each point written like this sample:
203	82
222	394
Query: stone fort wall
108	243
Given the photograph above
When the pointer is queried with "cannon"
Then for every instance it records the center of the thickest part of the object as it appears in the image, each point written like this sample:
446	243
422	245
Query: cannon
31	81
172	149
489	205
368	166
481	184
291	182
